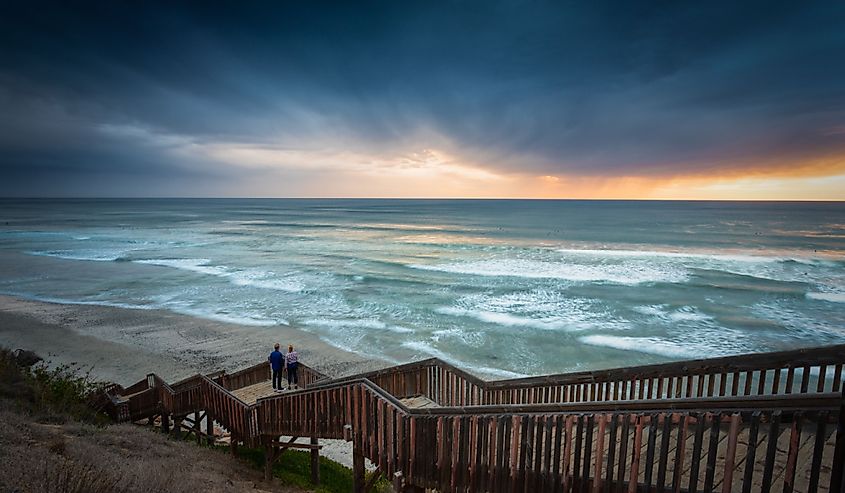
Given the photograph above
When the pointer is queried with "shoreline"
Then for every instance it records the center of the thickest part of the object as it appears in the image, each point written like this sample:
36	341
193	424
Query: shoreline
123	345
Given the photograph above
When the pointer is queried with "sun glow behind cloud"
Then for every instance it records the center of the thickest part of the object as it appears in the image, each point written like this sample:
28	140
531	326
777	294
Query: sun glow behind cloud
319	169
428	172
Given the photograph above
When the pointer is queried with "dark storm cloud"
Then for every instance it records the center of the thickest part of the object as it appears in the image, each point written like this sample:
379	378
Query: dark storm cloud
546	88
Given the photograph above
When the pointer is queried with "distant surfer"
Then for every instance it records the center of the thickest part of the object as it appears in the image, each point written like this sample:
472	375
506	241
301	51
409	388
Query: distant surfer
292	362
276	360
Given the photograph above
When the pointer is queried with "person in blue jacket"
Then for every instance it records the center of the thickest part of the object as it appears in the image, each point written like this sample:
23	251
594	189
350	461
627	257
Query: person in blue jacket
277	363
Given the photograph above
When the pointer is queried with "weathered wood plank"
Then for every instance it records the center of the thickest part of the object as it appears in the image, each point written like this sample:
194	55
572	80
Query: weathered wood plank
600	451
696	453
818	452
771	451
665	436
712	450
623	450
576	461
635	460
680	456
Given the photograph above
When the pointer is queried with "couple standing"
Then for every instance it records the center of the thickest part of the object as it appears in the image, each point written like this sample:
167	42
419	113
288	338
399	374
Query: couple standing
278	362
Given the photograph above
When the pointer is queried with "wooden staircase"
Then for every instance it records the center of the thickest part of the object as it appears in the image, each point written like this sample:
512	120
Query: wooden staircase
748	423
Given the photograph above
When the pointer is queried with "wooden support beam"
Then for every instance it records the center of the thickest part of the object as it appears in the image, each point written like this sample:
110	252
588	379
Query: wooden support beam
269	459
196	426
165	423
304	446
209	429
177	427
357	470
315	461
281	447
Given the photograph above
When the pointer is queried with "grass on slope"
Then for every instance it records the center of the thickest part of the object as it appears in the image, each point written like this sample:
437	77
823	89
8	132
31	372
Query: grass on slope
52	441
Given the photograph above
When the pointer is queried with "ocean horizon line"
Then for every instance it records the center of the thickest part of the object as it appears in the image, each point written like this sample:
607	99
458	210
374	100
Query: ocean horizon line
433	199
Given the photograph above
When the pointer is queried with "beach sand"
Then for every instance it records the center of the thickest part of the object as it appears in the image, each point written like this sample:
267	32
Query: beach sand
123	345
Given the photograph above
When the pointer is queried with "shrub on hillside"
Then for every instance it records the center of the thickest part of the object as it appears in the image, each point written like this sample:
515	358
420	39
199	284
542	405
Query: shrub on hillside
50	394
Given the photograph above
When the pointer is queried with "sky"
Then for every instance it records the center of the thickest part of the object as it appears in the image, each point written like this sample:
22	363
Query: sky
611	100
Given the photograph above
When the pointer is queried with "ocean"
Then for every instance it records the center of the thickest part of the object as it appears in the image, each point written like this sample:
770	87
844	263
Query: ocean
502	288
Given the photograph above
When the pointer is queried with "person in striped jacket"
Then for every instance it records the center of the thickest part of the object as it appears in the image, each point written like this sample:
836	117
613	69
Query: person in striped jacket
292	361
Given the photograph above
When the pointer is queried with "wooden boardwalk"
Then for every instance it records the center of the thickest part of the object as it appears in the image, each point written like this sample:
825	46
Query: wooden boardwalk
751	423
418	402
251	393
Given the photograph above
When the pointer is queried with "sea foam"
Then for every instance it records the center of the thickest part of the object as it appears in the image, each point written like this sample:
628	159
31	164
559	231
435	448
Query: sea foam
249	277
199	265
337	324
831	297
539	308
655	345
505	319
428	349
746	257
101	255
630	274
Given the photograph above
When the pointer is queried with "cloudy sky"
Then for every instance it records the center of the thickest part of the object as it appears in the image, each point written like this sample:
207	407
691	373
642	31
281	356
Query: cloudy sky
740	100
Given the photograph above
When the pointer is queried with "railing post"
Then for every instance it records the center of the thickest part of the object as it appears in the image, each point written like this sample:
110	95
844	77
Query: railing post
268	460
358	480
837	477
315	461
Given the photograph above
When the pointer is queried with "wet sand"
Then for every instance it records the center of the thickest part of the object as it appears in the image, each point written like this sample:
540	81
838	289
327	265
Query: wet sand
123	345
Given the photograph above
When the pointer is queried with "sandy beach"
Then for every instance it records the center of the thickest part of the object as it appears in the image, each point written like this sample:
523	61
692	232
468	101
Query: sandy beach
123	345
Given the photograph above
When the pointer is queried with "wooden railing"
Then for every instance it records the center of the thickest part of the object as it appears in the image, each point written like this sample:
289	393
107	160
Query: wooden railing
738	424
814	370
671	445
246	377
261	373
232	413
153	395
143	404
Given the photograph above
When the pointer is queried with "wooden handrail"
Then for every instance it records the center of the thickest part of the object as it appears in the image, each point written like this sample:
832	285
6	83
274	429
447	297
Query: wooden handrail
796	358
809	370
